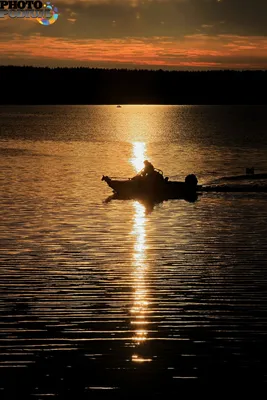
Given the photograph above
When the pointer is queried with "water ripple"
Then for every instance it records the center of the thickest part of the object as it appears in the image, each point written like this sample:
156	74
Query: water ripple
101	297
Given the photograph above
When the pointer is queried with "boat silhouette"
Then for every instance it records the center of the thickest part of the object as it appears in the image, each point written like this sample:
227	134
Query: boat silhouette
154	186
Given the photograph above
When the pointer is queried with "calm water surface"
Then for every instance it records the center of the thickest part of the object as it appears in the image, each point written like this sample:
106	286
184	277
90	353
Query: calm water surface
101	298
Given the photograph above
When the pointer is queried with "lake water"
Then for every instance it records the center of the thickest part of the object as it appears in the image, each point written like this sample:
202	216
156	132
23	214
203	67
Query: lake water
107	298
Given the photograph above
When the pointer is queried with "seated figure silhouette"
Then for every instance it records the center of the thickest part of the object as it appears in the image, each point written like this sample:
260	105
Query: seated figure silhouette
148	169
149	174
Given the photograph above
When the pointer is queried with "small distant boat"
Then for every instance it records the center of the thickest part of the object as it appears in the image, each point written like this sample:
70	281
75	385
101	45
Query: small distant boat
118	106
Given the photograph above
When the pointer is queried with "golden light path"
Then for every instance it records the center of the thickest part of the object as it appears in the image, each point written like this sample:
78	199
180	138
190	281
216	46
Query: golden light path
140	303
139	155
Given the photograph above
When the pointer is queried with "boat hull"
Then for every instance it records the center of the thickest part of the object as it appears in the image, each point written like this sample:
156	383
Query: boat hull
162	189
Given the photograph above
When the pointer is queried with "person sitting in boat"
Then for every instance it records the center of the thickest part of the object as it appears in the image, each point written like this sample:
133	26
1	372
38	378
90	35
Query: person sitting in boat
149	173
148	169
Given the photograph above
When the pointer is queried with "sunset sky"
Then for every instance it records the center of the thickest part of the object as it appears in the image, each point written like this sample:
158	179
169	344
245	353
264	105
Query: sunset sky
167	34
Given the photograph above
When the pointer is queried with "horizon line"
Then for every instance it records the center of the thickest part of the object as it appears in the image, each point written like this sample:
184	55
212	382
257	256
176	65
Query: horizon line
134	69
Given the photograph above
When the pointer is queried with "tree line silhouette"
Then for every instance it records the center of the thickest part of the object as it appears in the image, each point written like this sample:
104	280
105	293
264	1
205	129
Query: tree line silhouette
44	85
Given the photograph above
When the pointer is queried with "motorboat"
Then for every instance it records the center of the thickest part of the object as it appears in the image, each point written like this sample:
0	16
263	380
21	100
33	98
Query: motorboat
154	186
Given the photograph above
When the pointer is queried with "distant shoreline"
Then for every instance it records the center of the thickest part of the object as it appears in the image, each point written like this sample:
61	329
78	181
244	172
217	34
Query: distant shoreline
96	86
127	105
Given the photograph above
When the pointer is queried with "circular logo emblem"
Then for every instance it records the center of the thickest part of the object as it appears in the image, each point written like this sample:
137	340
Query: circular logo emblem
53	12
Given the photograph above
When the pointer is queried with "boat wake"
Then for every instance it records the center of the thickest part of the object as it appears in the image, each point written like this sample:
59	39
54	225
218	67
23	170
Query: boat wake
241	178
238	188
251	183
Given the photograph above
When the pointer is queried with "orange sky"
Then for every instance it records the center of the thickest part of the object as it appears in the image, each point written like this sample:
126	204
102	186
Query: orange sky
175	34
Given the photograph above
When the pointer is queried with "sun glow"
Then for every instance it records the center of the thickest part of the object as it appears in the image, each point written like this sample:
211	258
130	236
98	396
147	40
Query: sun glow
139	155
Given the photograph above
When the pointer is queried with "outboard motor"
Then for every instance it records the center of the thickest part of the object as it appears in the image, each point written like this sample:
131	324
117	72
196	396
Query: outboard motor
191	181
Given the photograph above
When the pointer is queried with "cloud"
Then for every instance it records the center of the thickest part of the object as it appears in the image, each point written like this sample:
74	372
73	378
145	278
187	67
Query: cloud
174	33
195	51
124	18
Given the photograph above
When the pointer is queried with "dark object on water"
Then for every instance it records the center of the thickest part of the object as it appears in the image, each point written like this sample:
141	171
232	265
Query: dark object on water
250	171
118	106
154	186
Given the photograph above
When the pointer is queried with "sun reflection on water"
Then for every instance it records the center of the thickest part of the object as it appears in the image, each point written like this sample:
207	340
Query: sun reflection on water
139	155
139	309
140	302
